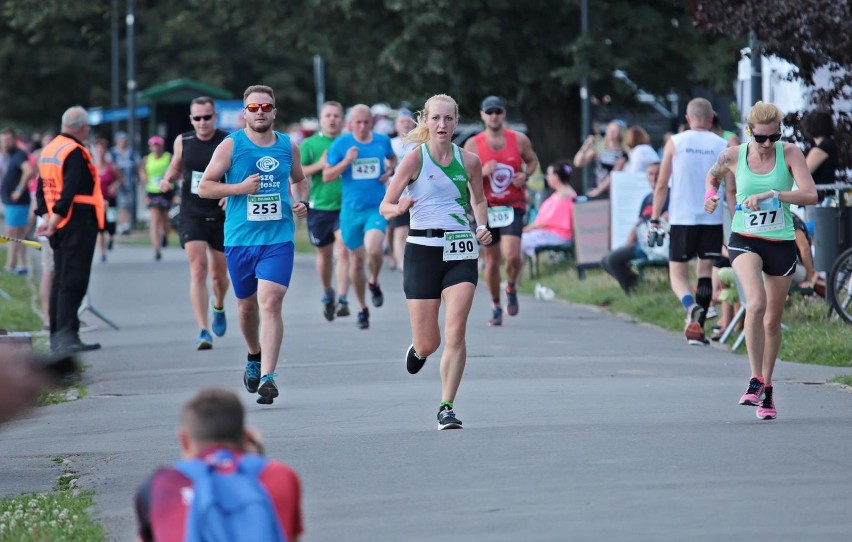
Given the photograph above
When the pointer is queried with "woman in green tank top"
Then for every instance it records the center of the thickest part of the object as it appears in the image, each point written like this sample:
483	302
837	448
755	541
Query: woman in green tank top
762	244
151	173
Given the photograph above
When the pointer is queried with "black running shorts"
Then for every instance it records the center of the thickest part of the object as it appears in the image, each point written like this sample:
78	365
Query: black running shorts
426	274
779	257
322	225
687	242
209	230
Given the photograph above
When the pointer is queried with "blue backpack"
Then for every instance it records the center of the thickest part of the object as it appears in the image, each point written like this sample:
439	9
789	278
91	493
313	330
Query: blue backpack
229	506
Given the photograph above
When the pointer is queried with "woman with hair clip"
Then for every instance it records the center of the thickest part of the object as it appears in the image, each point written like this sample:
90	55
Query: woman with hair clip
553	223
762	246
441	251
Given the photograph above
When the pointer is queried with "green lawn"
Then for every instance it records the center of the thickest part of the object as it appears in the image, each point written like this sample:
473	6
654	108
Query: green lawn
810	338
17	314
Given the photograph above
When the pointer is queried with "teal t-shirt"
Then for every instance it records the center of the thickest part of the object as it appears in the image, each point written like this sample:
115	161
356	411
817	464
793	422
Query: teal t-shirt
325	196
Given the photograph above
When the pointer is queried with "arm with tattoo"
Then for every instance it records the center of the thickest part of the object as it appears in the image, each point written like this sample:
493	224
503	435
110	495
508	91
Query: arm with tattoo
717	172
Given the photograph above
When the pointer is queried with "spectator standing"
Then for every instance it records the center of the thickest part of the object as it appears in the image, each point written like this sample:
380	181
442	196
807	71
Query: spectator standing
111	182
16	197
69	193
607	155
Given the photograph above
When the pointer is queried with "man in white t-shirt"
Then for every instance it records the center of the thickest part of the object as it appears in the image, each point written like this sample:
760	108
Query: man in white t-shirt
687	158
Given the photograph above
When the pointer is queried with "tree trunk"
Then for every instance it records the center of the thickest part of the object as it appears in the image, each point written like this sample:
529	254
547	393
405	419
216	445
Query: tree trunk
553	126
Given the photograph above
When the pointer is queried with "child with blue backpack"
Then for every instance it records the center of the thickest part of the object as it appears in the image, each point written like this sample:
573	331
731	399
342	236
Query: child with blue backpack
223	489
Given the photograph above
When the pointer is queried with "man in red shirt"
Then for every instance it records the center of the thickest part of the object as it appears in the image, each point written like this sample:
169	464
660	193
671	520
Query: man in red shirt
212	422
507	160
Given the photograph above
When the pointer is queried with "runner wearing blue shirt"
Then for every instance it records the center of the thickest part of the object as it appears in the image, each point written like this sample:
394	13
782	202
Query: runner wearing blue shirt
365	161
253	168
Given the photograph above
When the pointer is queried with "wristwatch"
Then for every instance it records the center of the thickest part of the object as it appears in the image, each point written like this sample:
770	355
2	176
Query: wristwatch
481	227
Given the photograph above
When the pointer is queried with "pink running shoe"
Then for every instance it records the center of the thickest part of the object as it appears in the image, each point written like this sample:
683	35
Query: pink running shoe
766	410
752	395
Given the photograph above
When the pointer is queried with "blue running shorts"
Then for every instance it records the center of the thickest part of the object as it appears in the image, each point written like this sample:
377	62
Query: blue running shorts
247	265
354	223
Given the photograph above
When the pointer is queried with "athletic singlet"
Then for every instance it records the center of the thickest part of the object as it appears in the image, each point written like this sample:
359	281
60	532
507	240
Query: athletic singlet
155	168
194	159
695	152
498	186
749	183
440	193
265	218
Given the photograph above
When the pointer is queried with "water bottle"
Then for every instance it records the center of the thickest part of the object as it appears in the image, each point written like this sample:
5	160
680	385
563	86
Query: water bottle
656	236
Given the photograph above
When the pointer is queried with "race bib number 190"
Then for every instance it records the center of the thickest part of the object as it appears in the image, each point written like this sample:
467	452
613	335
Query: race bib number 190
266	207
460	245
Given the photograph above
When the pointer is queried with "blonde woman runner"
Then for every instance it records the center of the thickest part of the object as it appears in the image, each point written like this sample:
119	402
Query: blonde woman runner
441	251
762	246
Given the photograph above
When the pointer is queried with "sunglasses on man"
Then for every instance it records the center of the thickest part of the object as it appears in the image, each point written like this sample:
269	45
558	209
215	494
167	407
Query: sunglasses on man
266	108
764	138
494	112
199	118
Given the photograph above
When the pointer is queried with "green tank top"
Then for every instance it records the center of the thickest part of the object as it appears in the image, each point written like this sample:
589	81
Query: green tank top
769	222
155	168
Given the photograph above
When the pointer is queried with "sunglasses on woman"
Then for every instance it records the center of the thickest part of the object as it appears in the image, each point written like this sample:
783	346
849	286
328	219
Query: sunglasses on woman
764	138
266	108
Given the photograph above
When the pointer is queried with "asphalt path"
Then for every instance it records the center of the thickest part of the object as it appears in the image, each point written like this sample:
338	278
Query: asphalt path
578	424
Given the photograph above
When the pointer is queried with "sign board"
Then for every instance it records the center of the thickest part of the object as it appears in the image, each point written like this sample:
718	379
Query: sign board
627	191
591	232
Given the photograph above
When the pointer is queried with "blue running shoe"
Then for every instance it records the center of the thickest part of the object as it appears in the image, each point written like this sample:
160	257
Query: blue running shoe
220	323
205	340
251	376
268	391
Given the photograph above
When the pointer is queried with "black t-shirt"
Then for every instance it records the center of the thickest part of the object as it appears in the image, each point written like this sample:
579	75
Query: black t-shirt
824	174
195	157
12	178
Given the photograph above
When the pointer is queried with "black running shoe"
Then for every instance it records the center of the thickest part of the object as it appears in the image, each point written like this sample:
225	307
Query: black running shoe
328	308
342	309
364	319
251	376
413	361
376	291
447	419
512	307
267	391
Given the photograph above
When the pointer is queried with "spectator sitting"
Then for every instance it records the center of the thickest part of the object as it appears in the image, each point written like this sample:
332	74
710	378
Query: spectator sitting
805	275
554	222
212	426
617	262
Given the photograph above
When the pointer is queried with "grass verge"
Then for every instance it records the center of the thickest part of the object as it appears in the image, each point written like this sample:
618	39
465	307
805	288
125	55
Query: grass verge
61	514
810	338
16	313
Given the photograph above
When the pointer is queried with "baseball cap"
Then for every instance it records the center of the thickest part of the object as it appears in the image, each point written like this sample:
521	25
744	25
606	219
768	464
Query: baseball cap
156	140
492	102
120	135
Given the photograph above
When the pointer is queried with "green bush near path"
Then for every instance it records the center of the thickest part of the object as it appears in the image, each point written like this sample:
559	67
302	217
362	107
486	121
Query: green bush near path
810	336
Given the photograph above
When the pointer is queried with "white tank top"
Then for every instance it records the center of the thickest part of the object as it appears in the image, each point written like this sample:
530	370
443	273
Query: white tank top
440	194
695	153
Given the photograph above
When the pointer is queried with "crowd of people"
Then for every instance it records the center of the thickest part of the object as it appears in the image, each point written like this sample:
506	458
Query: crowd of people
432	210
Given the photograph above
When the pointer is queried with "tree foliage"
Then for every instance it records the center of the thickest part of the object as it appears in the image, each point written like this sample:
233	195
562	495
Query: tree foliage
810	34
531	53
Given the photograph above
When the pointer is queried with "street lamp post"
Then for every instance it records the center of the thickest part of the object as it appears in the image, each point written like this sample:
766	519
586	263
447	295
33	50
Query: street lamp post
130	20
585	111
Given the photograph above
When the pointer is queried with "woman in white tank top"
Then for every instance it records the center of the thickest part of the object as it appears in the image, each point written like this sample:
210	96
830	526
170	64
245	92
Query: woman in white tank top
441	253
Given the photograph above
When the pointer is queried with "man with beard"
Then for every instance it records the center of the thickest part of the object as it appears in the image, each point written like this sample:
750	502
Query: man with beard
507	160
253	167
